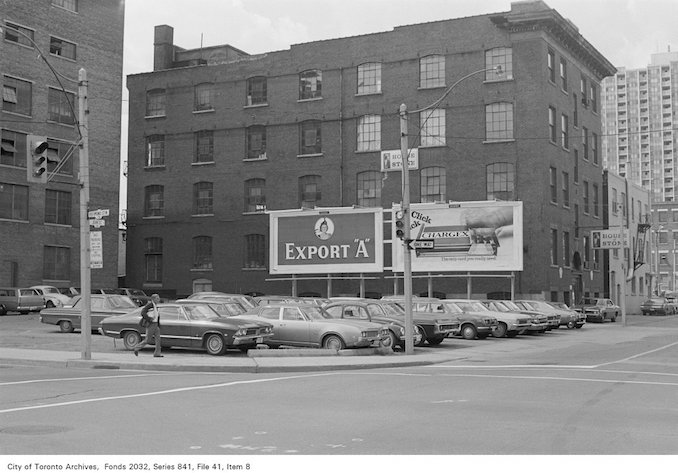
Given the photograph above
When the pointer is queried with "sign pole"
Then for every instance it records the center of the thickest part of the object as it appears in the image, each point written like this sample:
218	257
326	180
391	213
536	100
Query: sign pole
409	328
85	270
622	303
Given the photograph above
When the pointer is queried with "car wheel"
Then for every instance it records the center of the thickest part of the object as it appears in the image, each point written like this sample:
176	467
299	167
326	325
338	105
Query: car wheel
3	310
437	340
614	318
215	345
394	340
131	339
500	331
469	332
66	326
49	304
422	342
571	324
512	334
333	342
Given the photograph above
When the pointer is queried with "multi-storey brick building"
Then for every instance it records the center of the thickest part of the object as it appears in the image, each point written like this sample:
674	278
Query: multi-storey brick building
44	45
218	136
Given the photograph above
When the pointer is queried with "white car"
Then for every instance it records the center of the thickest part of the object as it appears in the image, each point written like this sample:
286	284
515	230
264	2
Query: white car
52	296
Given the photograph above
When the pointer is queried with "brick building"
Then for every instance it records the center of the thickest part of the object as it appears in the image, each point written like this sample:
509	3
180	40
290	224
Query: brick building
218	136
39	223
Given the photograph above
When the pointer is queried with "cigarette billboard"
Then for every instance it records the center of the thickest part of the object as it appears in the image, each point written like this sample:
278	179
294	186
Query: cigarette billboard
463	236
326	240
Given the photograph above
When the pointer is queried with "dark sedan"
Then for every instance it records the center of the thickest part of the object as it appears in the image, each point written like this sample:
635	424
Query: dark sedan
657	306
101	306
191	325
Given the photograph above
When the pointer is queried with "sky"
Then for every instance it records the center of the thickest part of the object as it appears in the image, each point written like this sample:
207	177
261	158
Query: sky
626	32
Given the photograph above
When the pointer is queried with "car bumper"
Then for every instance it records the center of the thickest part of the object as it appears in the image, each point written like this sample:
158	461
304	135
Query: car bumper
250	339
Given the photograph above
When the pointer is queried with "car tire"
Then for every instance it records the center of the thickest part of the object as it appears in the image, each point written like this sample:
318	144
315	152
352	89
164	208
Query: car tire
500	331
422	342
3	310
394	340
333	342
614	318
49	304
131	339
469	332
66	326
571	325
437	340
215	344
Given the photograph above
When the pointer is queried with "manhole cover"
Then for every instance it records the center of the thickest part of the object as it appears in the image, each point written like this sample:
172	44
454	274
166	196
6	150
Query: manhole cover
34	429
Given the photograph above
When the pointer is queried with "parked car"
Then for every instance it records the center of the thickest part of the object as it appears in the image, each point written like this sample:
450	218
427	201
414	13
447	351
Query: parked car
568	317
138	296
191	325
246	301
657	306
538	323
540	310
277	299
52	296
509	324
20	299
101	306
223	308
69	291
471	324
435	327
374	311
598	309
306	325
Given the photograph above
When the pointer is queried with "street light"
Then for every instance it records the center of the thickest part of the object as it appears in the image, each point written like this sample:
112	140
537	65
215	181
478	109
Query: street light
405	206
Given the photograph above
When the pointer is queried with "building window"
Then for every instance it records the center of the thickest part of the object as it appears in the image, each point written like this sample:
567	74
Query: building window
432	71
566	189
255	195
501	181
256	142
154	201
60	106
310	141
596	202
553	179
310	84
551	65
61	150
553	131
586	197
155	150
499	121
369	78
594	147
433	184
202	285
564	131
583	92
566	249
585	142
369	133
256	91
13	201
575	111
554	247
309	191
204	146
202	252
576	220
71	5
61	47
593	97
575	156
203	97
58	207
256	251
502	57
563	74
203	198
153	259
432	127
18	34
17	96
13	149
57	263
369	189
155	103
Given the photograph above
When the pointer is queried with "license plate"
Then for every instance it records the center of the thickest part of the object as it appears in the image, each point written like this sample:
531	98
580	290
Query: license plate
260	340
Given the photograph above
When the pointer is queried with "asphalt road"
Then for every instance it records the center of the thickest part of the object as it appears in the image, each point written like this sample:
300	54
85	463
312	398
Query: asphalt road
601	390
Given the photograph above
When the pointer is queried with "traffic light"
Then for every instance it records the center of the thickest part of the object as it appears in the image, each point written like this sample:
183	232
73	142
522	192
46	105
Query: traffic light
37	159
400	224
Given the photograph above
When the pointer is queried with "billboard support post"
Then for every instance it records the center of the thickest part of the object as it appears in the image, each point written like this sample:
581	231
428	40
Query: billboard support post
409	329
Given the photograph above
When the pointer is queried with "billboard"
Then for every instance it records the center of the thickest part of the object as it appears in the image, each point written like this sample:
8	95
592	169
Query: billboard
326	240
463	236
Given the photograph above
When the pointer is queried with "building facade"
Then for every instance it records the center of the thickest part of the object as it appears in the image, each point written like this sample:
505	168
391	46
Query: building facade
44	45
664	239
218	137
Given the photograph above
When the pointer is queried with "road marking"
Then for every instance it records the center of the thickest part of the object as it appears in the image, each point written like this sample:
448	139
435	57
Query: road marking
641	354
156	393
30	381
556	378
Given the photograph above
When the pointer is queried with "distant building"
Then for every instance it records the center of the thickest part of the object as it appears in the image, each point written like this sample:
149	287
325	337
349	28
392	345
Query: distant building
40	223
664	247
218	137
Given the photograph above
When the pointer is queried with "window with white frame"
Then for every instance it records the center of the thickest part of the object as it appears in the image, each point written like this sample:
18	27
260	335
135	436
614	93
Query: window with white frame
566	189
369	189
551	65
433	184
18	34
17	95
369	133
13	149
499	57
61	47
203	97
432	71
432	127
563	74
256	142
257	93
60	106
155	103
255	195
501	179
564	131
369	78
499	121
310	84
155	150
553	131
204	146
203	198
58	207
553	181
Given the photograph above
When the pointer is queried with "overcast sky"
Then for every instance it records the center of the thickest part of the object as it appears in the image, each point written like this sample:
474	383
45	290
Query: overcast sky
626	32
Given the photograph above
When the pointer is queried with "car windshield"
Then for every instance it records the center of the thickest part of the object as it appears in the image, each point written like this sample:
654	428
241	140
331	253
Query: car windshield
227	309
199	312
314	312
511	305
121	302
471	306
111	291
50	290
498	306
452	308
392	308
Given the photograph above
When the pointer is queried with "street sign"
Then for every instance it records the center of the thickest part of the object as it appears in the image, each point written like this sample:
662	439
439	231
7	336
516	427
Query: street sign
96	248
97	214
96	223
610	239
419	244
393	160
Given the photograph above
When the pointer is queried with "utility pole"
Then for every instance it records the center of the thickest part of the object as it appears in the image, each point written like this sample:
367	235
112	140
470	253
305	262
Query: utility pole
85	270
405	208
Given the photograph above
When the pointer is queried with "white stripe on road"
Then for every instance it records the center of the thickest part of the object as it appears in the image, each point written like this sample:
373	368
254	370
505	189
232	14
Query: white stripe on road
640	354
30	381
155	393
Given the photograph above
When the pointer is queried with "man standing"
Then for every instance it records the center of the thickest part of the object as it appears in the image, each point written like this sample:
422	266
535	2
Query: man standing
150	318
